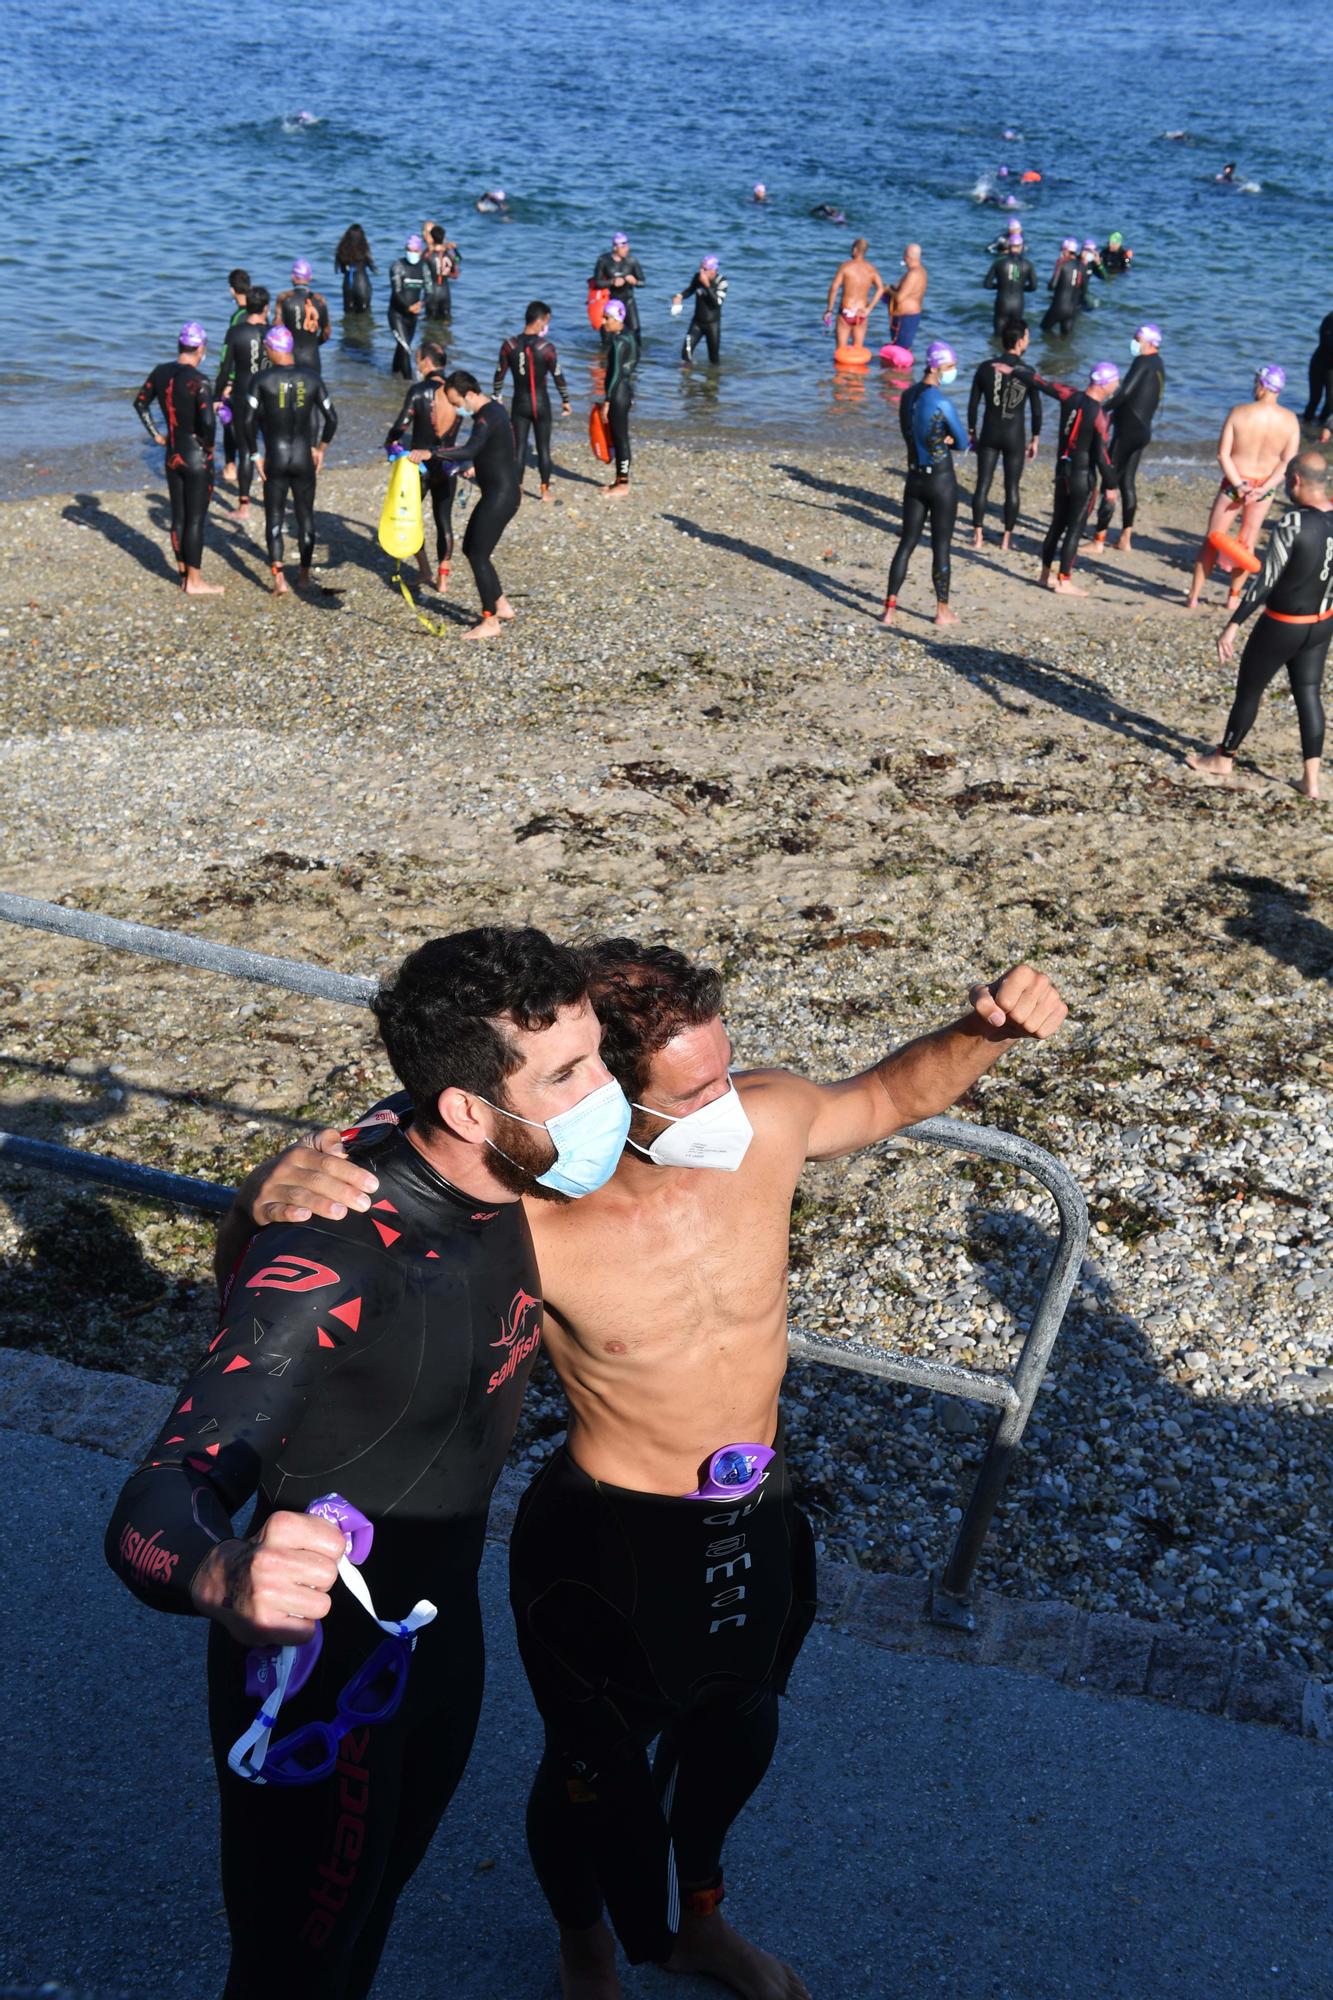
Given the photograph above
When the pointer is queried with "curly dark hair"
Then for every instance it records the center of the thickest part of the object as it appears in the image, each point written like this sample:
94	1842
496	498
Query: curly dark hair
441	1016
644	994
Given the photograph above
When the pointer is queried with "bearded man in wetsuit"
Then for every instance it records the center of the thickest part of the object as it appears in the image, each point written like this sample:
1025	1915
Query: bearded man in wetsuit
181	392
289	406
861	289
242	358
619	271
1258	442
382	1352
1294	593
1082	457
305	314
1130	412
1004	394
531	359
1009	277
642	1613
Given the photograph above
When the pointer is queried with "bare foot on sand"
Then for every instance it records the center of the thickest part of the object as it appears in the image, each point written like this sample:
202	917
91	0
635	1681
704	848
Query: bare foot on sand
303	578
279	582
943	615
442	577
1064	588
887	618
1126	540
423	566
503	608
588	1965
229	474
1210	764
194	586
242	510
1006	542
1099	539
617	491
711	1945
485	628
977	540
546	493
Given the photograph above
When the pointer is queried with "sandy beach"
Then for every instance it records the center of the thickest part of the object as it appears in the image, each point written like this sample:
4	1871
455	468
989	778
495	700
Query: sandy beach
695	730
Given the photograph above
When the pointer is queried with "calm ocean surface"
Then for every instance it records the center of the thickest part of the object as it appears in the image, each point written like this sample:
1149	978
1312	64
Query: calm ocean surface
147	148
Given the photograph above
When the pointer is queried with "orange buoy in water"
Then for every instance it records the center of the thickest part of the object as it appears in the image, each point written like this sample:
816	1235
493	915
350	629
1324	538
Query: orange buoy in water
599	434
1235	552
851	357
1028	178
597	298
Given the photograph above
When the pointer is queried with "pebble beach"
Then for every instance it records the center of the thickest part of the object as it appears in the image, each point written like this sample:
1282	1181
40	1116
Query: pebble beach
694	730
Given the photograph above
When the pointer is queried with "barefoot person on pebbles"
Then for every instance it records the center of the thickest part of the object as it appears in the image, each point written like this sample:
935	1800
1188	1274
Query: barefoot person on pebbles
180	390
1294	593
651	1604
291	411
489	456
622	354
1082	456
1258	442
932	431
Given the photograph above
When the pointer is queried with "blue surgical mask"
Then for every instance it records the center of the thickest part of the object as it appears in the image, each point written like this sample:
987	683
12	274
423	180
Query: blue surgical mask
1134	347
948	375
413	256
588	1139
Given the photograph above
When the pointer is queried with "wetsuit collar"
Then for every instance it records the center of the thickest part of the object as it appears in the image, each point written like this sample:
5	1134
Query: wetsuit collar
432	1181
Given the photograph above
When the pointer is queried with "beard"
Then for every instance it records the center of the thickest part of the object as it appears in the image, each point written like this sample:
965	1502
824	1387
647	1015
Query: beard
526	1155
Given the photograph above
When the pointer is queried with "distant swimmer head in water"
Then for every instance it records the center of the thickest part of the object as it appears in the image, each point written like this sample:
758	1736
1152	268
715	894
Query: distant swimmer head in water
192	338
1103	379
1228	172
941	361
278	341
302	272
759	192
1270	378
824	211
1147	340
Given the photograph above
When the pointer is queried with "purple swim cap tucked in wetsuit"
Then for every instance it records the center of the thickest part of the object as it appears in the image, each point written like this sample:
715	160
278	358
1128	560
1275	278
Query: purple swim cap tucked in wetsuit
278	340
1272	377
940	355
193	335
302	272
1104	374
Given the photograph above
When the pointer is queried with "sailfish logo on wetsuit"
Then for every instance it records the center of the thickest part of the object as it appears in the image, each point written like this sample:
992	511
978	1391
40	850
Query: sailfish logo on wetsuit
519	1335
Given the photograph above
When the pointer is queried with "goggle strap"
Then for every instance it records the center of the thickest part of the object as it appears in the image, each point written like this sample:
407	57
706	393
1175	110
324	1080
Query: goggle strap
247	1753
422	1613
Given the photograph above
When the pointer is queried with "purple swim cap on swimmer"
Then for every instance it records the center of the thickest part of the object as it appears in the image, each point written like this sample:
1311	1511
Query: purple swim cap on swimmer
1272	377
193	335
709	264
613	309
1103	374
940	355
1089	243
619	237
302	272
1070	243
1148	335
278	340
414	243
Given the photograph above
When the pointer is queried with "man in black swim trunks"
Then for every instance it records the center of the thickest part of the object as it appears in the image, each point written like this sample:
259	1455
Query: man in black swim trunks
383	1353
1294	593
289	406
1130	412
181	392
531	359
242	358
1003	394
644	1613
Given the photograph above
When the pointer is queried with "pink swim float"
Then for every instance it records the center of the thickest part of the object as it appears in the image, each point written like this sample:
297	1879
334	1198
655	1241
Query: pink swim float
894	356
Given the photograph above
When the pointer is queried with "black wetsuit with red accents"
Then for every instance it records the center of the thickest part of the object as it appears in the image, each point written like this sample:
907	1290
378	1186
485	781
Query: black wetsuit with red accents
1294	591
532	360
1083	458
414	425
242	359
382	1357
182	394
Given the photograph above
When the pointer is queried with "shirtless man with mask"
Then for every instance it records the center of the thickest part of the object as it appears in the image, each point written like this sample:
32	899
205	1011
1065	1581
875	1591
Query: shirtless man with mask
1258	442
649	1604
862	289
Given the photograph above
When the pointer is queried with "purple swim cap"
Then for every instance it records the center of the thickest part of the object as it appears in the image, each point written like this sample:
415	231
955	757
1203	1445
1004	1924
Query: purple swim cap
414	243
1151	334
1070	243
302	272
1272	377
193	335
1089	243
613	309
1103	374
278	340
620	237
940	355
709	264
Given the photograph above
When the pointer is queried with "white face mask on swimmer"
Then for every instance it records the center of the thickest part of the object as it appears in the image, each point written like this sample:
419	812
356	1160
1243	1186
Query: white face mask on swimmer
718	1135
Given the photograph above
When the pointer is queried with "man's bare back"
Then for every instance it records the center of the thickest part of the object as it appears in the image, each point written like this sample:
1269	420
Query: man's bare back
1257	441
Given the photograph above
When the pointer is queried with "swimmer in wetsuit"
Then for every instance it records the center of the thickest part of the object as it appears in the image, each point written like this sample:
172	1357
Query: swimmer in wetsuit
305	314
1009	277
182	394
382	1352
290	407
1116	256
619	272
1130	412
1004	394
1294	592
354	263
408	278
1319	409
1090	258
489	452
242	357
1083	456
426	419
707	288
1257	444
531	359
238	284
1067	284
618	393
932	431
443	264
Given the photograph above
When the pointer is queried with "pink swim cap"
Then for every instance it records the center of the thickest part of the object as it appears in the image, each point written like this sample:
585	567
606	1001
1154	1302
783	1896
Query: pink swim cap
301	272
193	335
278	340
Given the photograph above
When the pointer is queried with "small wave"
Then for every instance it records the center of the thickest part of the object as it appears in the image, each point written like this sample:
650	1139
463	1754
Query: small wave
300	121
1181	138
1251	187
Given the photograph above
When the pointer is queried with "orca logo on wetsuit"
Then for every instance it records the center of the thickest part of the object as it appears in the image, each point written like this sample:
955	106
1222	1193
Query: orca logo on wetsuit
292	1274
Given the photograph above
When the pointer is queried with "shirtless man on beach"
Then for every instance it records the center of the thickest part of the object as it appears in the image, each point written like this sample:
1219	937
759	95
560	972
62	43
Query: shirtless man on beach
862	289
1258	442
907	298
642	1613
